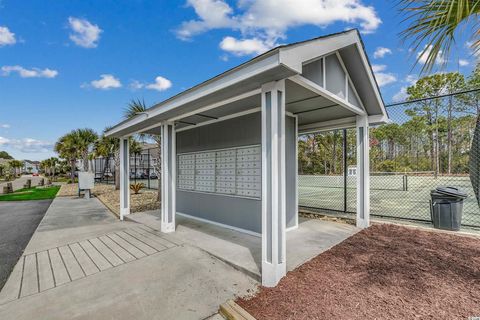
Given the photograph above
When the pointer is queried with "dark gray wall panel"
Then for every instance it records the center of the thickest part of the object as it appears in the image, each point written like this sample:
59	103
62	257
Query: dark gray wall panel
238	212
236	132
314	71
335	76
233	211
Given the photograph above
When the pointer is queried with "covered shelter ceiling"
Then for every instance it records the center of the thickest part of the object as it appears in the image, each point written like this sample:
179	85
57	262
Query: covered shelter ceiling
348	88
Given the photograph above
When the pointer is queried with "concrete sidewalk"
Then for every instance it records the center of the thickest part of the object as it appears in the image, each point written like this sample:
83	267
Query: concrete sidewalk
244	251
82	263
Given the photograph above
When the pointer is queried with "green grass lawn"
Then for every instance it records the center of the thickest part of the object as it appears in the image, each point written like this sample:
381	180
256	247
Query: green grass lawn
31	194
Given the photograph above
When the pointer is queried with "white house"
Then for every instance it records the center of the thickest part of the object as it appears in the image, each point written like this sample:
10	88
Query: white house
229	144
31	166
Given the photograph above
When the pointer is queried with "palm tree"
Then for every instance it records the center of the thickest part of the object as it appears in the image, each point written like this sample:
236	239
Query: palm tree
16	165
110	146
85	140
434	24
134	108
52	166
67	148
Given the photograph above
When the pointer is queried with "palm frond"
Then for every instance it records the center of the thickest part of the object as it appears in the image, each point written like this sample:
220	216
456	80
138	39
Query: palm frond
433	25
134	107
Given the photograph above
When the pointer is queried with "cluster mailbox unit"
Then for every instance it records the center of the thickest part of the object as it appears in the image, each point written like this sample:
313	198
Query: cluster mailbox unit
233	171
229	144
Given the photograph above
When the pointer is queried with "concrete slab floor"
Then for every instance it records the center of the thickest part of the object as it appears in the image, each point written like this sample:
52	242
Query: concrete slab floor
243	251
180	283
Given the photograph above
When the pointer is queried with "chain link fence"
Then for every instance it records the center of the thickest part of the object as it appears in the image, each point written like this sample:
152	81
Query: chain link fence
144	168
427	144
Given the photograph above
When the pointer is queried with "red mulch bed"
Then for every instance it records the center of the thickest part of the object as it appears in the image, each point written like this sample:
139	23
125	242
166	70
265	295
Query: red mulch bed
383	272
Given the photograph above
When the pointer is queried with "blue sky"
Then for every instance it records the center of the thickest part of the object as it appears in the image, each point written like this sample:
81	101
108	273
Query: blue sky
77	63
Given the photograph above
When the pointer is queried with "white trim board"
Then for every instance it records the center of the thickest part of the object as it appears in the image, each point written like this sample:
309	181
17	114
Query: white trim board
252	233
230	116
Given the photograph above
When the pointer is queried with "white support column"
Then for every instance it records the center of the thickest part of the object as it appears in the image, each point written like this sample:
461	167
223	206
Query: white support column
273	183
296	171
363	173
124	178
168	177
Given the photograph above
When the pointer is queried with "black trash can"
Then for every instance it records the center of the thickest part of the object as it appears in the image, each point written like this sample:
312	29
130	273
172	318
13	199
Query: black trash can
446	208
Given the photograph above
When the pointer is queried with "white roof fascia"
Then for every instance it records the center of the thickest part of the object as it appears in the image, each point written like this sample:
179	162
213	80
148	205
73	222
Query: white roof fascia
231	77
371	77
295	55
343	123
312	86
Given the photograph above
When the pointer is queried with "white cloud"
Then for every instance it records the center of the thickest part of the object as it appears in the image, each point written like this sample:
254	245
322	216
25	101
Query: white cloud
27	145
268	20
4	126
380	52
85	34
463	62
135	85
400	95
213	14
411	79
244	46
423	55
6	37
160	84
29	73
106	82
383	78
378	67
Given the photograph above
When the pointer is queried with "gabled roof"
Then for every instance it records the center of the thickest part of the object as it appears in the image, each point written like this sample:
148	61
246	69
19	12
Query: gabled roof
278	63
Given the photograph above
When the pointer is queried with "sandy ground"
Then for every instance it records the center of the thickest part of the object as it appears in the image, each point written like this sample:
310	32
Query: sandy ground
144	201
384	272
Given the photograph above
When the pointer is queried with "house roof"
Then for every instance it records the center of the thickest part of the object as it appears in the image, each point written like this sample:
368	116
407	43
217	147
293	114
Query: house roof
278	63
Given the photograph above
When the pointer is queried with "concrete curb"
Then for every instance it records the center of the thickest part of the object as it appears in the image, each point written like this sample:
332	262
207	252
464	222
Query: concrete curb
107	206
232	311
248	273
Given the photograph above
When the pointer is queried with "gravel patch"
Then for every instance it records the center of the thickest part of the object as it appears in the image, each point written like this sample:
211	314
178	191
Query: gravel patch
106	193
383	272
71	189
144	201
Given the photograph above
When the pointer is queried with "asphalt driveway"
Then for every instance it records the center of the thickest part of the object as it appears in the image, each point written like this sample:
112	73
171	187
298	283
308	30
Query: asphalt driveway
18	221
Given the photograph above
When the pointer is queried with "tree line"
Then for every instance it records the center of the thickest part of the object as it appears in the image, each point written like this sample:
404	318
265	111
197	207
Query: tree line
86	145
432	135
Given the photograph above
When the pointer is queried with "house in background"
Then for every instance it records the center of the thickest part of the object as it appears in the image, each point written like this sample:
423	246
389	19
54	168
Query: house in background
229	144
30	166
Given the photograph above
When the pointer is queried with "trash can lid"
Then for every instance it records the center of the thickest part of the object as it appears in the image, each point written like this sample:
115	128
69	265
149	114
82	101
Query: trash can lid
452	192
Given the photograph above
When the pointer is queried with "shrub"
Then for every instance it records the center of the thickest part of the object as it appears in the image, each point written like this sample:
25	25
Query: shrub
136	187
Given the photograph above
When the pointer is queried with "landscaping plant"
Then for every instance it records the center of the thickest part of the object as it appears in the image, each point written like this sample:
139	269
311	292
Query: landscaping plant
136	187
